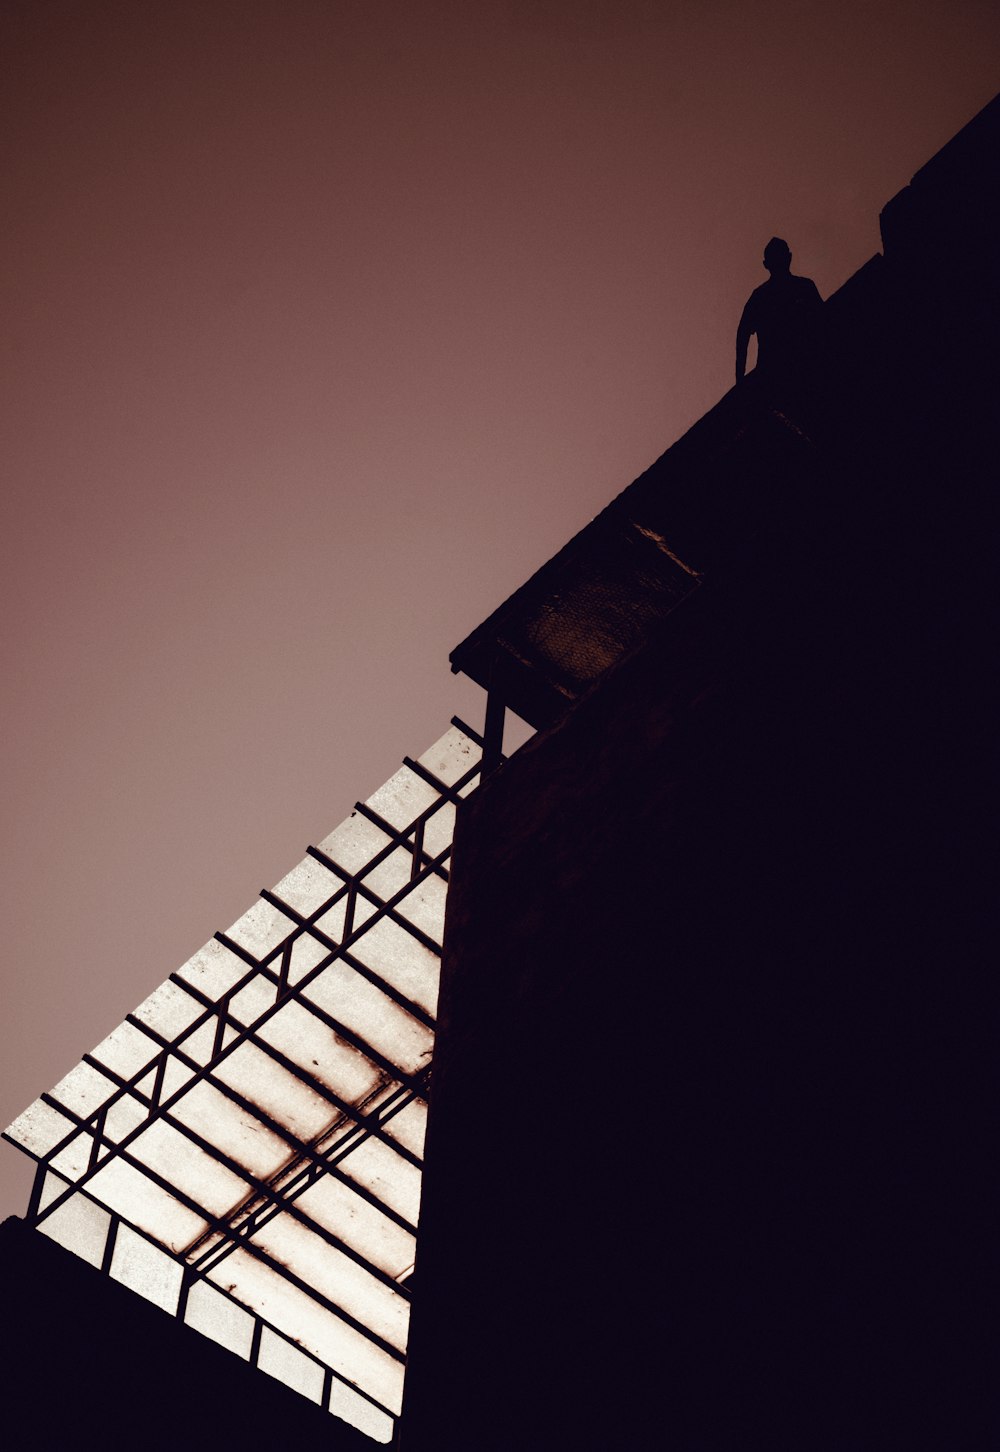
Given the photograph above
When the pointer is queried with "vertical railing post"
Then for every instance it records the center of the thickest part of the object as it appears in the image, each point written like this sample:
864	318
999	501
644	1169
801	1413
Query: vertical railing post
187	1279
109	1245
493	732
41	1171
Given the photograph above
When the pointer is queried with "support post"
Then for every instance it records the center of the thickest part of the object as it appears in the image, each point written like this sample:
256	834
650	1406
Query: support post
493	733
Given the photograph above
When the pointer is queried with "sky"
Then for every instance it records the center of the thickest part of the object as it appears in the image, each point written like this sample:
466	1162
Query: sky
325	322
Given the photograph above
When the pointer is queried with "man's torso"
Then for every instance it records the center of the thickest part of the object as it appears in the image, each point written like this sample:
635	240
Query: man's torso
783	314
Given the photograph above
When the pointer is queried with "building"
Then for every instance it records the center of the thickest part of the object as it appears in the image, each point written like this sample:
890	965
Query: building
711	1040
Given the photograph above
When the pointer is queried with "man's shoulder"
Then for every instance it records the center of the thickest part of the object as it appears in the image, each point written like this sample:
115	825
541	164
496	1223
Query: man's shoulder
758	295
805	285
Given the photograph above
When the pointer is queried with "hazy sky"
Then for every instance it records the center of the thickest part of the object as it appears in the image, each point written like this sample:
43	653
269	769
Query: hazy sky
325	322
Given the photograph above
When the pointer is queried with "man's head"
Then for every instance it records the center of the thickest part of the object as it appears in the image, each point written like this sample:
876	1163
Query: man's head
777	256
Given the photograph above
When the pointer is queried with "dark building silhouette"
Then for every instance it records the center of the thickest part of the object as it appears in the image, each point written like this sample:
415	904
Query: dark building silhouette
710	1071
712	1057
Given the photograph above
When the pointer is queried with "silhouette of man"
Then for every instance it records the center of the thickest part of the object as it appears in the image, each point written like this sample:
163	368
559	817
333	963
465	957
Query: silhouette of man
784	313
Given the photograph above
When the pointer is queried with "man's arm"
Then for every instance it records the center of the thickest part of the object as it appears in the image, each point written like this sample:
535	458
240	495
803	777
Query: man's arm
743	332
